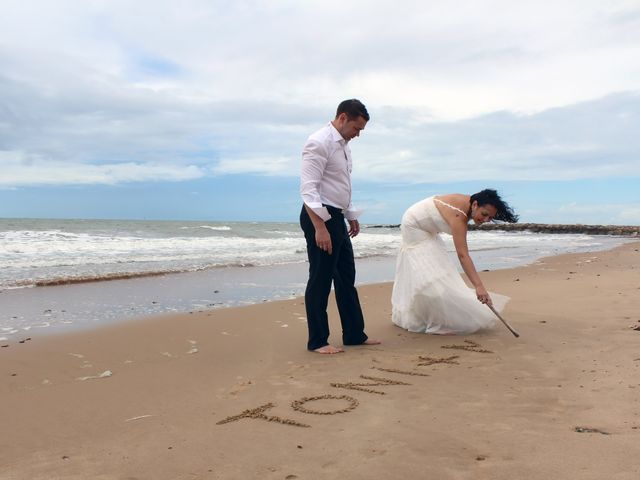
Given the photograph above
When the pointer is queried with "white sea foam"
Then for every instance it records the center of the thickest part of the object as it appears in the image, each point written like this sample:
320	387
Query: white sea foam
223	228
48	252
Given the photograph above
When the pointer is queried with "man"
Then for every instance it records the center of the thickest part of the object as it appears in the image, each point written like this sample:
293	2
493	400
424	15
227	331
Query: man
325	188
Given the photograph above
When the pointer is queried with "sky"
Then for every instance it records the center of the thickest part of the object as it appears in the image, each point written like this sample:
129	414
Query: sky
199	109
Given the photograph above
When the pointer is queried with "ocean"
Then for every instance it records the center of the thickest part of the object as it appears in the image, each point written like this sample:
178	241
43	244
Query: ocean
55	272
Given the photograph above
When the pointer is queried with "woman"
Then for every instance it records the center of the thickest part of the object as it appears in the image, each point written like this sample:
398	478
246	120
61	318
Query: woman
429	294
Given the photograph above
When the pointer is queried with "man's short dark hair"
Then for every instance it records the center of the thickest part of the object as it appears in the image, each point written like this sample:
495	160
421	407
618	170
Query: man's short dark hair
353	108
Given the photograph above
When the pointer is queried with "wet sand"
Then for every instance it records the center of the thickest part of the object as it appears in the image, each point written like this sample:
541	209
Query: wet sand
233	394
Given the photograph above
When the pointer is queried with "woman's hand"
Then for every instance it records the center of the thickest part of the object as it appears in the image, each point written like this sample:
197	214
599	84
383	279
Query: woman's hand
483	296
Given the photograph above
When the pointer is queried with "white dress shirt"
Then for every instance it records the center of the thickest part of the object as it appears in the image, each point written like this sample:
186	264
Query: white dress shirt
326	173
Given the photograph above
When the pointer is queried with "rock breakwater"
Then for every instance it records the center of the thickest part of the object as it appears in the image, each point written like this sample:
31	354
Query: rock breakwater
618	230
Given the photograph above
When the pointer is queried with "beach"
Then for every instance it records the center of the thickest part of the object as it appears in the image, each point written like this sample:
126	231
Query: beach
232	393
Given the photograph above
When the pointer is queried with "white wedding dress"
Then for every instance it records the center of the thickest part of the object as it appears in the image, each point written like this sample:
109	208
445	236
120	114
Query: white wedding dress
429	295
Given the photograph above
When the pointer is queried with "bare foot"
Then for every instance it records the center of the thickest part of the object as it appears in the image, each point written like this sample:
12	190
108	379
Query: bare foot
329	349
369	341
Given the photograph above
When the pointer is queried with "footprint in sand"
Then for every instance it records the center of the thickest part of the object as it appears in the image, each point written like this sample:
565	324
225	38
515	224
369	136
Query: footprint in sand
240	386
375	453
193	349
85	363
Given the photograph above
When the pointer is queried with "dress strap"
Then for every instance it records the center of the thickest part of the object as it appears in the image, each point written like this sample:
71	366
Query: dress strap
450	206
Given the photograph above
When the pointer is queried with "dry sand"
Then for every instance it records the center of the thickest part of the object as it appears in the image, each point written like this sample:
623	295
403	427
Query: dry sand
233	394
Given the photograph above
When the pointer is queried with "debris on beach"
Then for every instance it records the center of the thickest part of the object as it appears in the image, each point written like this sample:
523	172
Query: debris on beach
104	374
138	418
590	430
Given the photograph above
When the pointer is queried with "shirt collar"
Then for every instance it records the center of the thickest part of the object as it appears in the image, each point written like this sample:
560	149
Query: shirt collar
335	135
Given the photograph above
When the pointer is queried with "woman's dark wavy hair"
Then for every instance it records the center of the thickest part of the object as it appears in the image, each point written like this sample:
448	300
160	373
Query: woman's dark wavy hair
491	197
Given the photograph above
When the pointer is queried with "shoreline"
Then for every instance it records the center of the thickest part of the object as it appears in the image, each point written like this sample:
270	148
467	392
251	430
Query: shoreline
233	394
65	308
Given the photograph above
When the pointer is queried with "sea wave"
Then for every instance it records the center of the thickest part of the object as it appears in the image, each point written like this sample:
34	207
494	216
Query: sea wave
223	228
57	280
101	251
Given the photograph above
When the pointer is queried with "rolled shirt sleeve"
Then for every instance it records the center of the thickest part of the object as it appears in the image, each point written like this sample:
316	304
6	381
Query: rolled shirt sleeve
352	213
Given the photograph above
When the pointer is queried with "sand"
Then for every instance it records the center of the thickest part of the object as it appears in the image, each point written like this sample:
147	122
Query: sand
233	393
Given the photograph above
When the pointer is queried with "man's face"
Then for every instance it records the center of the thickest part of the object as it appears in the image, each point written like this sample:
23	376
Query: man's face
349	128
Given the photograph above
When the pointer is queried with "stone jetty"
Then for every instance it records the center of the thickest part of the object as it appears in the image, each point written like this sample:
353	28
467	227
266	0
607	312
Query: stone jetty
617	230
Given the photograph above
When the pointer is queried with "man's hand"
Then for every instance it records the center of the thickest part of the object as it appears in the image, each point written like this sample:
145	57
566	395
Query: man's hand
354	228
323	239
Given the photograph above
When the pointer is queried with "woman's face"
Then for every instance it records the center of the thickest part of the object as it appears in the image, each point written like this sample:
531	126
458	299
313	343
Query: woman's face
482	214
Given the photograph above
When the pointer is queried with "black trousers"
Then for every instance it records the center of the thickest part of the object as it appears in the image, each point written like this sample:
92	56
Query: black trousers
339	268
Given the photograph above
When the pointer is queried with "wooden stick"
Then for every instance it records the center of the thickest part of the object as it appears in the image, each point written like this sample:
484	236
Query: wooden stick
515	334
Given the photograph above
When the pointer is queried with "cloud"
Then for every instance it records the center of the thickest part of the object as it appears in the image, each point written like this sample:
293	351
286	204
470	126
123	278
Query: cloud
120	92
607	213
628	214
587	140
270	166
19	169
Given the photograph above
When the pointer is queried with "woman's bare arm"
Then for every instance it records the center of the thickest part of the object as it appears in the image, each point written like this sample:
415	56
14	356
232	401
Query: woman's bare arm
459	232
